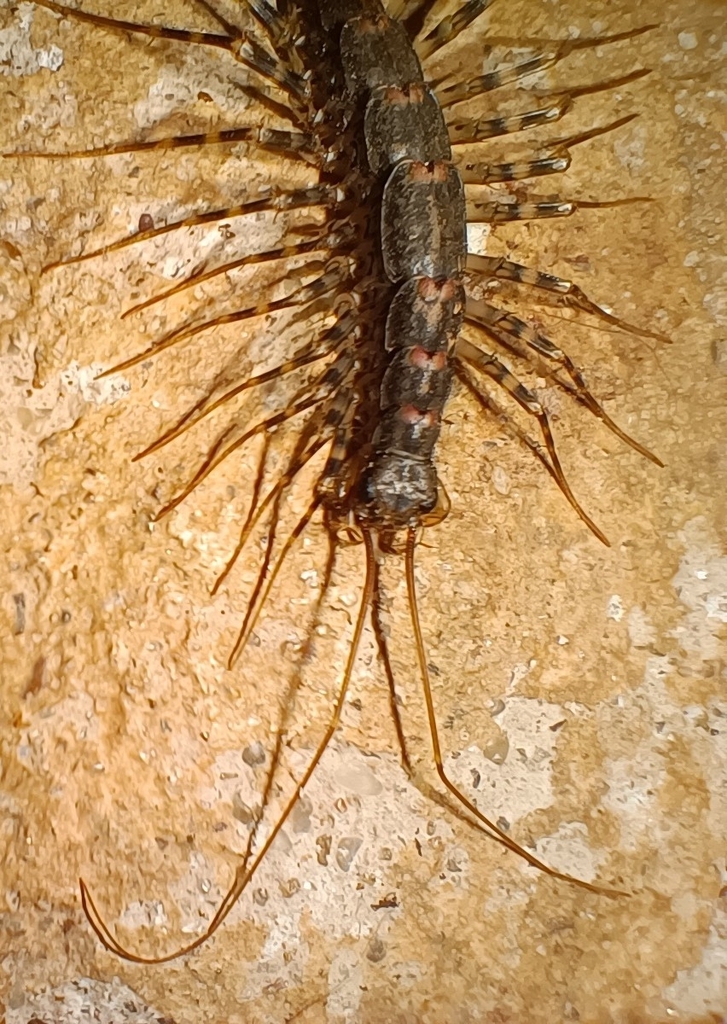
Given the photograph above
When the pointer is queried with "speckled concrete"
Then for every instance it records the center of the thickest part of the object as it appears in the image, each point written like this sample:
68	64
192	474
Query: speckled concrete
580	688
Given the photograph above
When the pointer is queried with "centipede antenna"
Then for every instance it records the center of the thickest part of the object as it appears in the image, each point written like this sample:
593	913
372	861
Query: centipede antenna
383	648
437	751
292	690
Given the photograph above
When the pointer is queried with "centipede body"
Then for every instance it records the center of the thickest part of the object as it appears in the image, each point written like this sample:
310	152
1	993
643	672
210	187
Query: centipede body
446	527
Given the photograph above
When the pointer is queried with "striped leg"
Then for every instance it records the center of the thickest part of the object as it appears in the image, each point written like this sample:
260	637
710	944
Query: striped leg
330	341
240	45
445	31
276	200
470	87
502	211
509	330
324	243
308	295
488	364
480	129
557	158
499	268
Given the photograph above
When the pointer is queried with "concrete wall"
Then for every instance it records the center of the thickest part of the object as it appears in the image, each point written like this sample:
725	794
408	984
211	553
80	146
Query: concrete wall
580	689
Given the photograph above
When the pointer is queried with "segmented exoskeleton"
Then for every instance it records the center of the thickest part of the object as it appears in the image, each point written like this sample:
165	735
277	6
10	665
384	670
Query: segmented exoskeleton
398	320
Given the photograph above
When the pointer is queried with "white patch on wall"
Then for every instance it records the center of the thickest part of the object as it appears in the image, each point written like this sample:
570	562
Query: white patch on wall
103	1002
17	56
701	584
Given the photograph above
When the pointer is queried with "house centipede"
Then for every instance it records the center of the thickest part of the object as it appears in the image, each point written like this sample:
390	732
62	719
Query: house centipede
398	304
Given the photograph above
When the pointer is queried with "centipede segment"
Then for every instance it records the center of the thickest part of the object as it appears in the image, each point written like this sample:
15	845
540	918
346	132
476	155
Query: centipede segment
396	172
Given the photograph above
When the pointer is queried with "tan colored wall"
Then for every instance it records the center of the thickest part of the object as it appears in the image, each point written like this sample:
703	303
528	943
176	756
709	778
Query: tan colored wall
123	735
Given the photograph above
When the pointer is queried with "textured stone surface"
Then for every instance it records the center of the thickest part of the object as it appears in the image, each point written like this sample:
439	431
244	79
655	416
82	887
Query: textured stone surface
580	689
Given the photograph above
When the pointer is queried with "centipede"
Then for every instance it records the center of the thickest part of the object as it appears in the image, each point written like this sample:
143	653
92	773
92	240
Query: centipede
386	315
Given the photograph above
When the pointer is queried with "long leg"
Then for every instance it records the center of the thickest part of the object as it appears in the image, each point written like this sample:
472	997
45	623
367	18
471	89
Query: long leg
437	750
285	252
447	30
414	776
491	366
307	295
313	351
498	211
509	329
555	159
332	422
469	87
277	202
245	873
497	267
240	45
480	129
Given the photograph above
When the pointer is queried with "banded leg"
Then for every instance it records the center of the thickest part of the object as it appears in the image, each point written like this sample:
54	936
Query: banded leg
509	329
447	30
308	396
499	268
277	201
286	252
503	211
327	343
240	45
556	159
489	365
283	142
480	129
469	88
308	296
